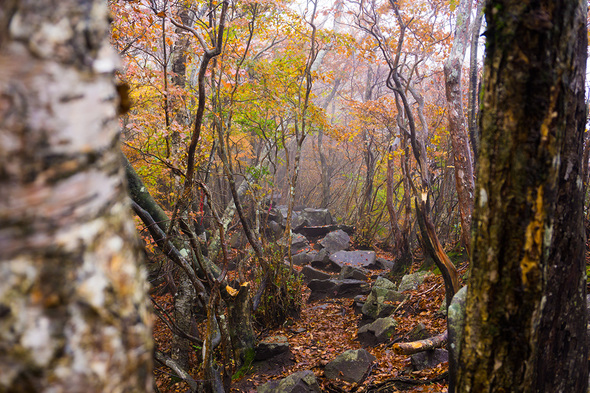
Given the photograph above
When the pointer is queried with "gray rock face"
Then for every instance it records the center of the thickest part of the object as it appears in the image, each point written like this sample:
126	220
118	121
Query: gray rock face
299	382
336	241
298	243
375	306
456	322
271	346
298	222
349	366
361	259
303	258
385	264
321	289
317	217
274	230
349	272
412	281
357	306
382	282
282	210
419	332
321	260
428	359
275	215
442	310
324	230
380	331
313	274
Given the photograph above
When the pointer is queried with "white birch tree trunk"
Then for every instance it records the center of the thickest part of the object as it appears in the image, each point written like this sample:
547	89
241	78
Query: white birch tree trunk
463	164
73	305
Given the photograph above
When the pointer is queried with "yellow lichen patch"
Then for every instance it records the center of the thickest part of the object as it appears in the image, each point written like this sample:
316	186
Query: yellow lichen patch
533	237
545	130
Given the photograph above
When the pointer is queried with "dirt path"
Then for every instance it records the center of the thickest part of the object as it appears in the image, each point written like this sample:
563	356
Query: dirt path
329	327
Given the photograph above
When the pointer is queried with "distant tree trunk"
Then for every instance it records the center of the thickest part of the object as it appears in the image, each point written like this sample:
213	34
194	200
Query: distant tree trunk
184	306
325	174
367	191
457	123
401	244
73	305
301	124
472	107
325	169
526	320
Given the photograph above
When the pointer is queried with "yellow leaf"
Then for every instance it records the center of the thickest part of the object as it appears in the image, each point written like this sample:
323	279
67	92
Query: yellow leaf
231	291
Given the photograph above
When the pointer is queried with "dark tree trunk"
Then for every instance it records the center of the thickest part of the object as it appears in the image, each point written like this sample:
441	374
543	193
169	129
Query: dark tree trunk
563	325
241	330
401	243
526	321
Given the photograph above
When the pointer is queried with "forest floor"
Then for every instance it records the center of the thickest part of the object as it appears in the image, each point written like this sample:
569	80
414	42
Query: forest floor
329	327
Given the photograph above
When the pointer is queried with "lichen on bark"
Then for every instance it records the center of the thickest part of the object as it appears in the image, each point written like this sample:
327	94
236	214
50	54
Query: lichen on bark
73	306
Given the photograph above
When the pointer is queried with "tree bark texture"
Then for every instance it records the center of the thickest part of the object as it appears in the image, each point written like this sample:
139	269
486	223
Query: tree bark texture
73	305
241	331
457	122
401	243
473	101
526	323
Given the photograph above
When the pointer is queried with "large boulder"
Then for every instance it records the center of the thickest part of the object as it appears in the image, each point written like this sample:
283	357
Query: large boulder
299	382
361	259
275	215
283	210
298	243
354	273
303	258
321	260
271	346
336	241
384	264
375	306
298	222
309	273
419	332
358	303
412	281
349	366
382	282
321	289
377	332
456	322
324	230
442	310
429	359
274	230
317	217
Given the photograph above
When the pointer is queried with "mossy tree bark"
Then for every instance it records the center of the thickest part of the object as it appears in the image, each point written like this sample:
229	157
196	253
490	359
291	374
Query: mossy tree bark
73	305
526	321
